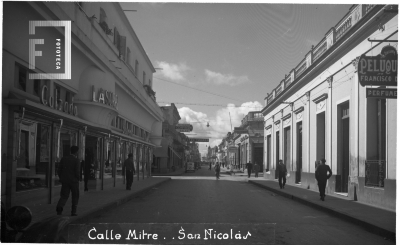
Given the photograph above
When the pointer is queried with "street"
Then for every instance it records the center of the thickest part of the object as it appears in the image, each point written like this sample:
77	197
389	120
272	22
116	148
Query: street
201	199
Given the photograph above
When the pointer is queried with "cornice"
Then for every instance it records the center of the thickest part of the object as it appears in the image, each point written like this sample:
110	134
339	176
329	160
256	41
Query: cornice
286	117
298	110
320	98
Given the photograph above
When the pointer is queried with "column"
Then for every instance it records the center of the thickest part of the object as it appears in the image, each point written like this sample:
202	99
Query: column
308	129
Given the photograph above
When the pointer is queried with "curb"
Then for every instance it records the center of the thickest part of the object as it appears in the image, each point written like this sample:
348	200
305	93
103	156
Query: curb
342	215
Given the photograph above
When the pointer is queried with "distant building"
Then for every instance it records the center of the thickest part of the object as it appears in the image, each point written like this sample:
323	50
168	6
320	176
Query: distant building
320	110
107	108
248	140
171	155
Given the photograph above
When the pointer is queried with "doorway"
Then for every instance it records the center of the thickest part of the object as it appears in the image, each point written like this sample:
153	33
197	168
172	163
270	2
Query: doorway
268	157
286	148
345	147
299	160
277	155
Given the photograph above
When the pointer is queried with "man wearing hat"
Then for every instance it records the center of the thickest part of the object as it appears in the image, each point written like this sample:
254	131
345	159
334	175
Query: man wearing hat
322	174
129	169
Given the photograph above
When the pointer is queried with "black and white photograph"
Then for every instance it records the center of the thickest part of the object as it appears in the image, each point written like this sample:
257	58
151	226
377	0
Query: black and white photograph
199	122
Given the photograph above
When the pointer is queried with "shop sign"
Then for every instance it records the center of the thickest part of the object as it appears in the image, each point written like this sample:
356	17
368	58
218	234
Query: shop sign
198	140
105	97
56	103
380	70
183	127
383	93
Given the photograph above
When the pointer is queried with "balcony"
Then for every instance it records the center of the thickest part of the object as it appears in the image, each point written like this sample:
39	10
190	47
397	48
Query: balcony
343	27
300	68
320	49
150	92
375	173
335	34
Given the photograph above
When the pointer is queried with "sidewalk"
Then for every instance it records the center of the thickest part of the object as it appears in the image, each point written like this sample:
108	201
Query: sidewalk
379	221
93	203
174	173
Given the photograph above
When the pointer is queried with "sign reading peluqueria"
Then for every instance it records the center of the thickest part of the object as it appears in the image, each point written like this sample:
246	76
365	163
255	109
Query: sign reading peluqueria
379	70
384	93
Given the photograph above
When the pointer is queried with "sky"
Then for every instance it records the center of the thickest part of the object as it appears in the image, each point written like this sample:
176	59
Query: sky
220	60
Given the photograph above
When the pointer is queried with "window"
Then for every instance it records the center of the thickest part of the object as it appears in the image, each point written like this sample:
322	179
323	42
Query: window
33	163
150	83
375	164
36	87
116	38
21	75
128	56
136	68
103	16
144	77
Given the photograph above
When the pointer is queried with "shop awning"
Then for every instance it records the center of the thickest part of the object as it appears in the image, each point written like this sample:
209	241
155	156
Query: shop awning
53	115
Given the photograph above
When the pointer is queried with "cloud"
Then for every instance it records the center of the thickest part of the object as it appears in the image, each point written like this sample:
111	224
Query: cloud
220	124
172	71
225	79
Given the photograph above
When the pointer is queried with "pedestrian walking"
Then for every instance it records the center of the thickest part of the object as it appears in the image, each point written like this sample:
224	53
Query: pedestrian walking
209	167
129	170
249	166
217	170
322	174
256	169
69	175
282	171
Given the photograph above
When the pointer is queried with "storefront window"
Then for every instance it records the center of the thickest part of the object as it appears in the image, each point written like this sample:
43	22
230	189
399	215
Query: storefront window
33	160
110	160
92	157
120	158
67	139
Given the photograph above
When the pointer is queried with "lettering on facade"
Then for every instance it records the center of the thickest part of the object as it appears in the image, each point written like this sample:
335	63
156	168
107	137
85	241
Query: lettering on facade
57	103
105	97
379	70
381	93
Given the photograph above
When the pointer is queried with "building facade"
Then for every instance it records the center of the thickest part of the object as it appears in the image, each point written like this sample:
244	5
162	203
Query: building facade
107	107
248	140
321	110
171	155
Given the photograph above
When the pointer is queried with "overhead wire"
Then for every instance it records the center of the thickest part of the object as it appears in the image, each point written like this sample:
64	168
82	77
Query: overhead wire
219	105
226	97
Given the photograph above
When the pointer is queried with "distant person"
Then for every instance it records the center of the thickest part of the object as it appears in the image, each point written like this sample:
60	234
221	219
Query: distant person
282	171
209	167
256	170
249	166
321	174
69	174
217	169
129	170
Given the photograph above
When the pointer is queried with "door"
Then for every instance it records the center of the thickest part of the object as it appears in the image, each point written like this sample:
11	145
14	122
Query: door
277	155
258	157
299	160
346	155
268	160
286	153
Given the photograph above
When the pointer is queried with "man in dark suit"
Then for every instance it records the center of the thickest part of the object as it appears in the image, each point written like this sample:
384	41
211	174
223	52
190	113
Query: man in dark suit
249	166
282	171
321	174
69	174
129	170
